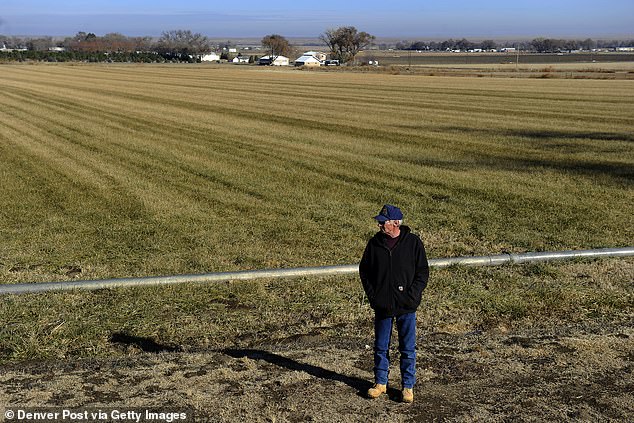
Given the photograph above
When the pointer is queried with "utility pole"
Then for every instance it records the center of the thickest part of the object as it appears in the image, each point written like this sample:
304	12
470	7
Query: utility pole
517	58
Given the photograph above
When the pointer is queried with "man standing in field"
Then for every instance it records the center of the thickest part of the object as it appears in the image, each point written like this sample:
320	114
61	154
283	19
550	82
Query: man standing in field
394	273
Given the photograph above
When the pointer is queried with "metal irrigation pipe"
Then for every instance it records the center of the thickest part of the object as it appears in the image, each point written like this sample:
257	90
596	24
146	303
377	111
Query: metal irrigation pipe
495	260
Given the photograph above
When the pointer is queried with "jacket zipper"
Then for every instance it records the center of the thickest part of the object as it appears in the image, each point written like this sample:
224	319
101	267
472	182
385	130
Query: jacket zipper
392	296
392	285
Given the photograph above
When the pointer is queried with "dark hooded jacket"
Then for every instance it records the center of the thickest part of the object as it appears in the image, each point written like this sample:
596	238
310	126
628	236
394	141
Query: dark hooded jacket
394	280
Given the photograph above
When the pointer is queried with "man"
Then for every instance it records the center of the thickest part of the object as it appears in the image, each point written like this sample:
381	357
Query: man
394	273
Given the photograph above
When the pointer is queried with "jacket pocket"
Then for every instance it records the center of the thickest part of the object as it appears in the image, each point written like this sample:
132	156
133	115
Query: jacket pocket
406	298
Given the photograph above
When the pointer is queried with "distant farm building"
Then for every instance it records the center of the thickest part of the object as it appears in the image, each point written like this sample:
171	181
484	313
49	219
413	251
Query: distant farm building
307	61
240	59
279	61
4	48
311	58
209	57
316	54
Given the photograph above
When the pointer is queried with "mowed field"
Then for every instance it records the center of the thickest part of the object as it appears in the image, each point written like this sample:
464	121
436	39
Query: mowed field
124	170
127	170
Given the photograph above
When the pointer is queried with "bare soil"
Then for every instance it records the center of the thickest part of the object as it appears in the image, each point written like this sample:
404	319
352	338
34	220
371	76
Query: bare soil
570	372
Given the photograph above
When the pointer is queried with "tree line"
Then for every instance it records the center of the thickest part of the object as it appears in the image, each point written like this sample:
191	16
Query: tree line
176	45
344	43
539	45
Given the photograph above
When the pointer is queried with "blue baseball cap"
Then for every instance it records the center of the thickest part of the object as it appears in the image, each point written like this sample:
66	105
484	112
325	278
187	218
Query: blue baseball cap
389	212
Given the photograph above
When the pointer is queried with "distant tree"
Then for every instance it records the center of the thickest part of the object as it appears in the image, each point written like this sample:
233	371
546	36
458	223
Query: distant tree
143	44
539	44
346	42
276	45
115	42
182	44
408	45
16	42
547	45
420	45
570	45
448	44
464	45
523	45
609	43
225	45
588	44
83	42
403	45
39	44
488	45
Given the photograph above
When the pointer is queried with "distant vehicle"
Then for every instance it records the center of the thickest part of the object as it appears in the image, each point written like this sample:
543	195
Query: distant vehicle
331	62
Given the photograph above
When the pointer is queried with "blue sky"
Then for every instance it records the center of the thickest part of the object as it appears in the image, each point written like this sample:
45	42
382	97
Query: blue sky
297	18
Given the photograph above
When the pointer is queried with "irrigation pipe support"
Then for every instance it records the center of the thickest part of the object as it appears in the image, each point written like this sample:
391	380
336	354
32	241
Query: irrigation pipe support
495	260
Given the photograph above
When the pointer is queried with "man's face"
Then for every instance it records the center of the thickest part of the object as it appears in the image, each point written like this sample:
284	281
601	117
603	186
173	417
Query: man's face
389	228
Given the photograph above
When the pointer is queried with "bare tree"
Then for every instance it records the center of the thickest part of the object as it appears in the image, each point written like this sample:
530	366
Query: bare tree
330	38
277	45
588	44
346	42
183	43
116	42
39	44
488	45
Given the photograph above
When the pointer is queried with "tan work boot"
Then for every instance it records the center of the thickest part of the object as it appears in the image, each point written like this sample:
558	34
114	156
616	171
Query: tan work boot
377	390
408	395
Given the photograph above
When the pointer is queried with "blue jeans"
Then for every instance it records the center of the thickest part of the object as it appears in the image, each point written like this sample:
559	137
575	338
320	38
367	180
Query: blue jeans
406	328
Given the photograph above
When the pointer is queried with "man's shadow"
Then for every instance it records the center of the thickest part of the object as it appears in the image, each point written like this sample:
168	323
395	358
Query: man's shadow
142	343
360	385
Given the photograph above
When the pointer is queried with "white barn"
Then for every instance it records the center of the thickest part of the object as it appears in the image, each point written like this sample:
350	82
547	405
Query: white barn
316	54
209	57
306	60
279	61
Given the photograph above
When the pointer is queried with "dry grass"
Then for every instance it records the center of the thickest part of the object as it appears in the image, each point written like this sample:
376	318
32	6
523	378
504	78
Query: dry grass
563	363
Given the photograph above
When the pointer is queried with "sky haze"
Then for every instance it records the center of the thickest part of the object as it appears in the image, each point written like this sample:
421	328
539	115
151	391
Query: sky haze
249	18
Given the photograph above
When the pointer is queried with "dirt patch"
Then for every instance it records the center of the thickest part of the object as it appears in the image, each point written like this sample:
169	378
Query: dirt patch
571	373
